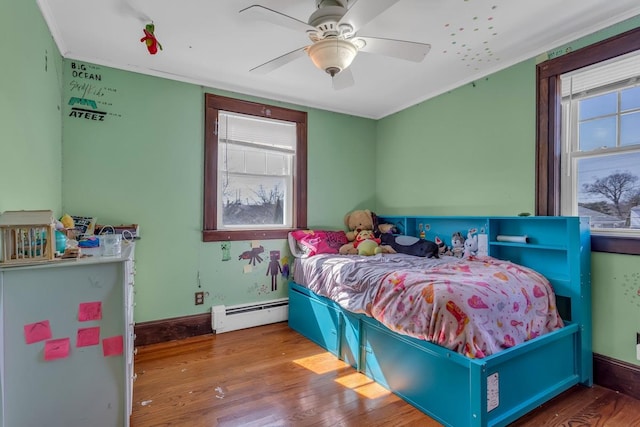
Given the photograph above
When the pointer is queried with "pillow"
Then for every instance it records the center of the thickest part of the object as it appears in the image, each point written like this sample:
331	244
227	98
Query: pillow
294	247
313	242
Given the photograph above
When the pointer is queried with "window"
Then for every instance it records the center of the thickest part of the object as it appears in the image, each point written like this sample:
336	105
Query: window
588	140
601	145
255	178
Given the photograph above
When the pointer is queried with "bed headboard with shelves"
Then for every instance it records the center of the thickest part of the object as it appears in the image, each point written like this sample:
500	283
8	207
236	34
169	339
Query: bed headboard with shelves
558	247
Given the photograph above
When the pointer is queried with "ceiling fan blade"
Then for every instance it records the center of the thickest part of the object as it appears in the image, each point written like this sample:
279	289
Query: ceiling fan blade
279	61
411	51
275	17
364	11
343	79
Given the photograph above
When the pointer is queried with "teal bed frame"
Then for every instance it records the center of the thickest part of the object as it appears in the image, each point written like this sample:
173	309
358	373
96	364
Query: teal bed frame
449	387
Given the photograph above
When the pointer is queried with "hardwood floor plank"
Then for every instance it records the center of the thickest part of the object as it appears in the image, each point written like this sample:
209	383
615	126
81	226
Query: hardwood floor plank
272	376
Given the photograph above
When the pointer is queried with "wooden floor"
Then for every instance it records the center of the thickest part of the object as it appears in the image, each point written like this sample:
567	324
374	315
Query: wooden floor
272	376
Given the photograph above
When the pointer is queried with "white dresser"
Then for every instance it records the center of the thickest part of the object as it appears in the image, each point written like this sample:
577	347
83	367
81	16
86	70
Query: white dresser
66	341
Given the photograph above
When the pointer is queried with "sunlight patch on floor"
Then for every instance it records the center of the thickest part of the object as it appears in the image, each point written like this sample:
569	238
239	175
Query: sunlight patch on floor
362	385
321	363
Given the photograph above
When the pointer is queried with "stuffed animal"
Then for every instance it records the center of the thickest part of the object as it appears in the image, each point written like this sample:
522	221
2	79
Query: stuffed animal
356	221
385	228
442	247
410	245
457	245
366	243
150	39
471	245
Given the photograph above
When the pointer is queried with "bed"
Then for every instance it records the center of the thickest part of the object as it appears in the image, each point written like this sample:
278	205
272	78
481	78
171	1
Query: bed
475	381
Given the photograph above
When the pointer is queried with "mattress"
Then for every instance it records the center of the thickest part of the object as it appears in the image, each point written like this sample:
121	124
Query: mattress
475	306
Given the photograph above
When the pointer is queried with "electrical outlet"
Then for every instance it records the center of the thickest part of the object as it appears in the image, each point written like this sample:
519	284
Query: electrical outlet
199	298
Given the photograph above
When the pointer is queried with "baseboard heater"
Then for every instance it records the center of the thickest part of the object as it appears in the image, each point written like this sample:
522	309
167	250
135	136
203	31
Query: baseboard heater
234	317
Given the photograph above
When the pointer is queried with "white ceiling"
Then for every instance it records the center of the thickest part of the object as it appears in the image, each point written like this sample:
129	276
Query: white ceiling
209	42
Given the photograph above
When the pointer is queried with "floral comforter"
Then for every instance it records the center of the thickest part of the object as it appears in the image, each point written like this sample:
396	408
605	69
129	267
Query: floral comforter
476	306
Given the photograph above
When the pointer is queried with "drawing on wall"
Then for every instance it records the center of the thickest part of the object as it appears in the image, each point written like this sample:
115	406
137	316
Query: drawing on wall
88	336
274	269
285	267
89	311
56	349
112	346
226	250
35	332
252	255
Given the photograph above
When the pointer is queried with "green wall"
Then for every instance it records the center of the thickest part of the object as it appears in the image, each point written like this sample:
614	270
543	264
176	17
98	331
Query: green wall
144	164
30	96
471	151
468	151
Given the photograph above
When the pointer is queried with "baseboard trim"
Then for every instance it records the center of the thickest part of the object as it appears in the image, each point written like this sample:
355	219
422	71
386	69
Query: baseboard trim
175	328
616	375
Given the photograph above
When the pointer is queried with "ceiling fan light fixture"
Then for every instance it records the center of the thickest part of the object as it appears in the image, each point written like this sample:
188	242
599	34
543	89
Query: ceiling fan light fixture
332	55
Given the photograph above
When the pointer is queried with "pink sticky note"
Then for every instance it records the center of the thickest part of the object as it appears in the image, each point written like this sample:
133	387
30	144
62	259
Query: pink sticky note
112	346
88	336
38	331
56	349
89	311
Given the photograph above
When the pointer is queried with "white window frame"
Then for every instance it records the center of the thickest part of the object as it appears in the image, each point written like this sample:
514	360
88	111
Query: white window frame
571	152
283	144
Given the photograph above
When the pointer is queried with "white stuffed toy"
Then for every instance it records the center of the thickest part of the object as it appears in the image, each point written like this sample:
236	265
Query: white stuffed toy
471	245
457	245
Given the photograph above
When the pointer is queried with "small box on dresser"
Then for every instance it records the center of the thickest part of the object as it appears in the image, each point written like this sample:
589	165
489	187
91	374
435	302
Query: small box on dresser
27	237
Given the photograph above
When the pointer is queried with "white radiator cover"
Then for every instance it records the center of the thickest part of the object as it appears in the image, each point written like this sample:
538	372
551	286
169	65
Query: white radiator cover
234	317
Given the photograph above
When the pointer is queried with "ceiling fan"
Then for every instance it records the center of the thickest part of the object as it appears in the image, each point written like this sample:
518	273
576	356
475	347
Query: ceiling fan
333	30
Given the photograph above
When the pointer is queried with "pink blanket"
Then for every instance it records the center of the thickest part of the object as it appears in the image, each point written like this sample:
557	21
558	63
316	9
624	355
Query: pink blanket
475	306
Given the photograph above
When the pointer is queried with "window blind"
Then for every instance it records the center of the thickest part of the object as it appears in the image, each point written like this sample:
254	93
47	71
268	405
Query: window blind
255	131
619	70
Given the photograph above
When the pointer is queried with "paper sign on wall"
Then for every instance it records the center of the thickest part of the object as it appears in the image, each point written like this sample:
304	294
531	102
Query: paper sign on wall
38	331
89	311
112	346
88	336
56	349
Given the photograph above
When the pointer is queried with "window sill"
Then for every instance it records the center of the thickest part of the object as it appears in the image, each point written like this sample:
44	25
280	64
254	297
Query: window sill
225	235
615	244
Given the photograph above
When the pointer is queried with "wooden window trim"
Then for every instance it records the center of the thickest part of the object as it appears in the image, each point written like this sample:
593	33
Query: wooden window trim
548	138
214	103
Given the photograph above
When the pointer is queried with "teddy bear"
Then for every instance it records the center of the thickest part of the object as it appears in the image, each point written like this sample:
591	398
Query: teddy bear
366	243
357	221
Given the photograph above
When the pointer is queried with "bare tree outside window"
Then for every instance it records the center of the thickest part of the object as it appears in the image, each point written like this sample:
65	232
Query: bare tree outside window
619	189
